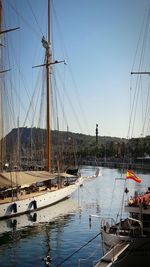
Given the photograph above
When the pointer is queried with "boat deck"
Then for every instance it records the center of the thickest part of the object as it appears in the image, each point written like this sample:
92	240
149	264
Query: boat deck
25	196
112	255
27	179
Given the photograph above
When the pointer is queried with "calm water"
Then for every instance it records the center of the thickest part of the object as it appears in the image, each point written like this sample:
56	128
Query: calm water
61	230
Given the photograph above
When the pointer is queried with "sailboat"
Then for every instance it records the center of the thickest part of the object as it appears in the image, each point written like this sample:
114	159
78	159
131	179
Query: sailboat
126	238
27	191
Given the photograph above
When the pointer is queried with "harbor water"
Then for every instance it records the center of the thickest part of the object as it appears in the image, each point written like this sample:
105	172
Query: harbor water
61	235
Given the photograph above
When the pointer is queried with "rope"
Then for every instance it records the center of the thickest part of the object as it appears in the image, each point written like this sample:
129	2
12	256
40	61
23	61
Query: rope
30	26
112	197
71	75
97	248
143	46
59	264
35	18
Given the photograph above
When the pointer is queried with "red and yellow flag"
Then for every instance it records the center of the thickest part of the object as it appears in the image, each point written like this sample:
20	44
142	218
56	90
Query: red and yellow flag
133	176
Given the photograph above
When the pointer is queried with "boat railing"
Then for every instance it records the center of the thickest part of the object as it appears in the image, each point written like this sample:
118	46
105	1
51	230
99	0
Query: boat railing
135	228
108	221
105	221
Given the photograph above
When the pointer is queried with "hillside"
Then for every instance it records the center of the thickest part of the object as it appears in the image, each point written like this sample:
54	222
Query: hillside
27	146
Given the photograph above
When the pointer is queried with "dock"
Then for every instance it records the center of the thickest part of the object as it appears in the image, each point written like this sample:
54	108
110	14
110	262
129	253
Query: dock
112	255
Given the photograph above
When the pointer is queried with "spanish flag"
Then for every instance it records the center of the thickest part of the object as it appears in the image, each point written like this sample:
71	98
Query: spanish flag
133	176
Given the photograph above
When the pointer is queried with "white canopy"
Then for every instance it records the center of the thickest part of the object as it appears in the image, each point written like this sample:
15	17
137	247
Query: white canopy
21	178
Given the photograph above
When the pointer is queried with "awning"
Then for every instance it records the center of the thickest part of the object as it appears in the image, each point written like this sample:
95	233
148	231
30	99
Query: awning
20	178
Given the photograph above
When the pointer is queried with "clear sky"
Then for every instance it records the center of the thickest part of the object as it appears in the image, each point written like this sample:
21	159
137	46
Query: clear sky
98	40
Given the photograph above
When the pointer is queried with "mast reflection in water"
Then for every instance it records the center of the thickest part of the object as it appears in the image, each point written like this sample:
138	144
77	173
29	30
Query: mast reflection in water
61	230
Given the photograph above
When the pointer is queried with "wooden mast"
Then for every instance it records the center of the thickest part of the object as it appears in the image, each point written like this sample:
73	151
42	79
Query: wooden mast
46	45
1	102
0	15
1	142
48	56
48	60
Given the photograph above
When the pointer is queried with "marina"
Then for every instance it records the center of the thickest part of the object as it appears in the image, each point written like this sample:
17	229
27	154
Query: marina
68	233
24	191
68	198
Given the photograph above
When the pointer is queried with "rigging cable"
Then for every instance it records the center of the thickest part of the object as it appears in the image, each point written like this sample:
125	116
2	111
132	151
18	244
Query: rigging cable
91	255
59	264
138	83
30	6
65	55
147	110
140	38
74	111
22	79
30	26
112	197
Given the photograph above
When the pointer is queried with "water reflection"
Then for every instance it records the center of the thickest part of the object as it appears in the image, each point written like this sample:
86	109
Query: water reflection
16	234
48	214
58	231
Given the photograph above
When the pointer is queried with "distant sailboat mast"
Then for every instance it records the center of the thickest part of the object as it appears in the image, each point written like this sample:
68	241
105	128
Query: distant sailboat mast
1	98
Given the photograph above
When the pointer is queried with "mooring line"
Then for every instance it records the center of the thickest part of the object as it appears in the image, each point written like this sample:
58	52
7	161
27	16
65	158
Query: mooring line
59	264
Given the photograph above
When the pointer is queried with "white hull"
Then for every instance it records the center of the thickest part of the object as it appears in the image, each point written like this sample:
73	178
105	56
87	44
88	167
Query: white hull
37	202
48	214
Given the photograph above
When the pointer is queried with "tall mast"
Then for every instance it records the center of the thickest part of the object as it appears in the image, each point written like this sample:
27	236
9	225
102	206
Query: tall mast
48	56
0	15
48	60
46	45
2	71
1	125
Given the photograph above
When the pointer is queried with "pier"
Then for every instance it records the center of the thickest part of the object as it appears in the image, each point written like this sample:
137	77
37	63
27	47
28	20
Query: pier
117	164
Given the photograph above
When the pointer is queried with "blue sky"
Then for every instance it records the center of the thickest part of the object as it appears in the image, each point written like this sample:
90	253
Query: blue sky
98	40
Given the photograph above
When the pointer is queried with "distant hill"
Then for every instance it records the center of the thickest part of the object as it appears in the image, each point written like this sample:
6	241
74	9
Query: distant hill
24	137
28	144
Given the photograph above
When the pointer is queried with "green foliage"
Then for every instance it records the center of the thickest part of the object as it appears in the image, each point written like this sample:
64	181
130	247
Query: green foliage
85	145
